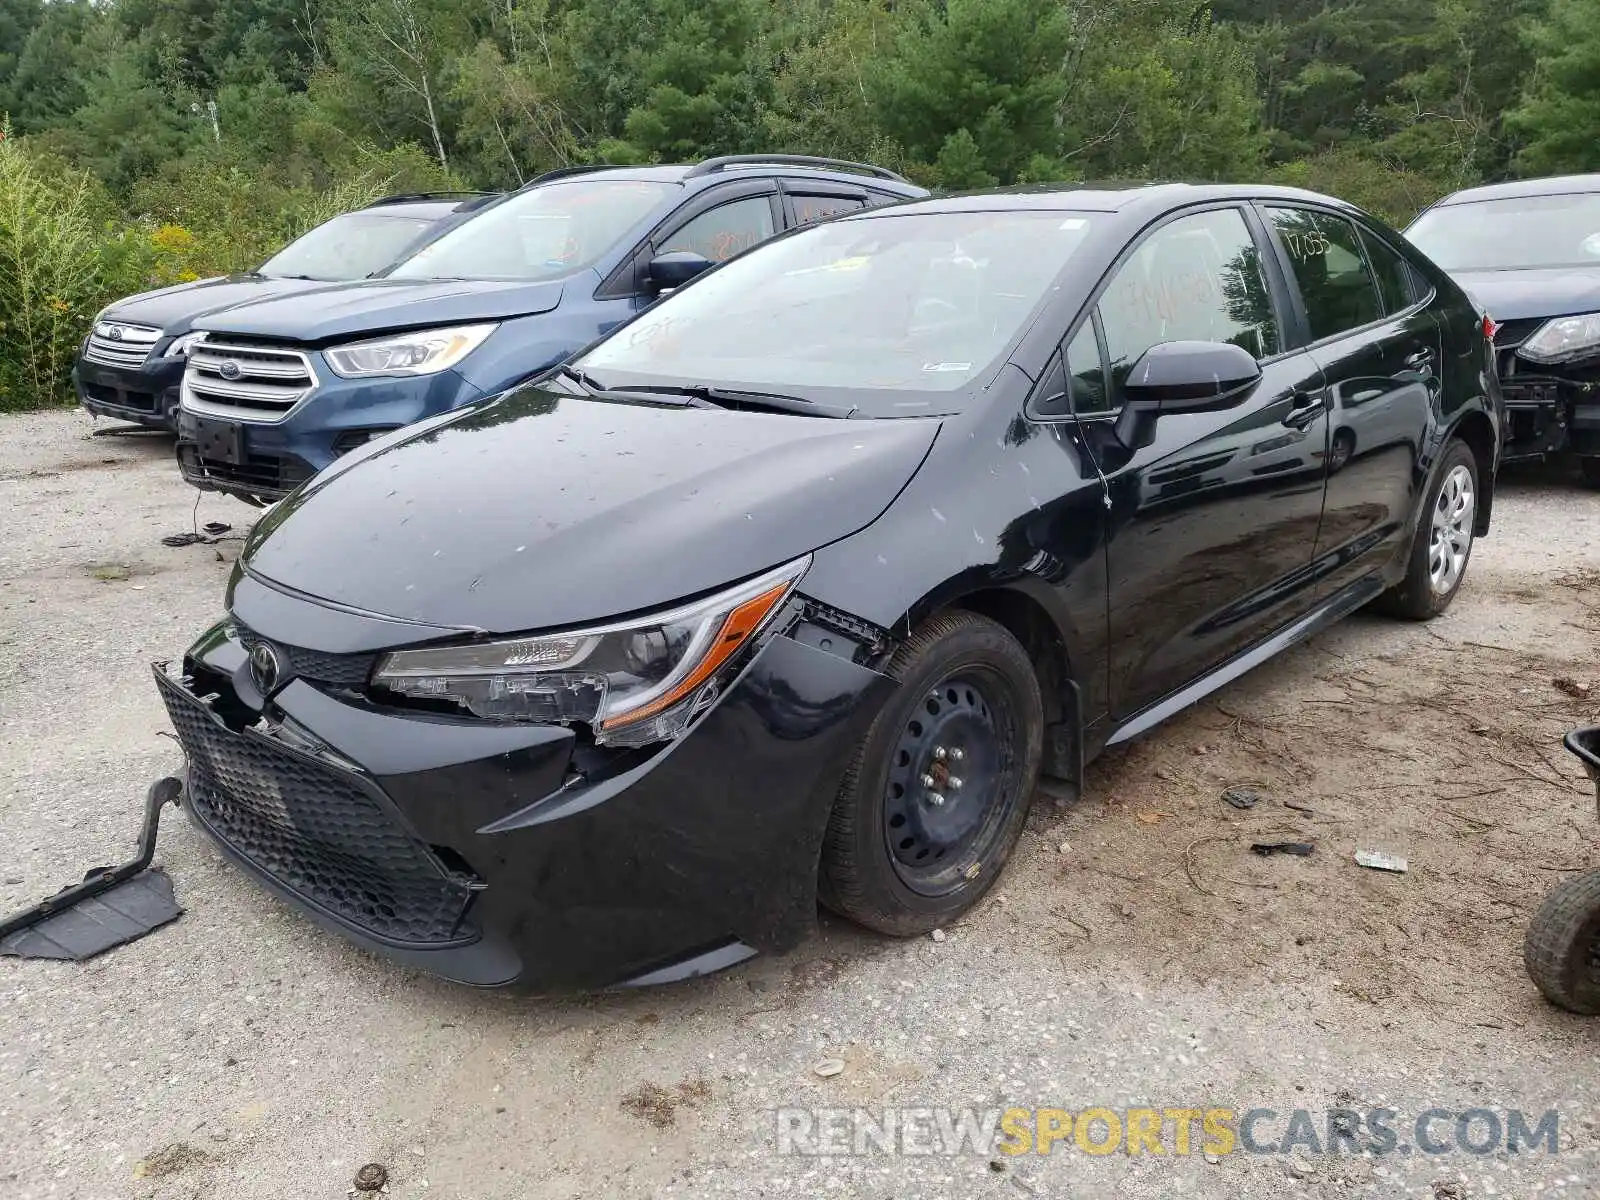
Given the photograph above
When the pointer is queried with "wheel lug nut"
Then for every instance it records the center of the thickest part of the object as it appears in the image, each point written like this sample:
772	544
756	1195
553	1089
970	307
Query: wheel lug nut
939	753
928	781
955	783
935	799
957	754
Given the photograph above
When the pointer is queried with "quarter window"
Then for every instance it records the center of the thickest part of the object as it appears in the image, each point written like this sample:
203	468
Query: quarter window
725	230
1198	278
1086	374
1397	279
1335	280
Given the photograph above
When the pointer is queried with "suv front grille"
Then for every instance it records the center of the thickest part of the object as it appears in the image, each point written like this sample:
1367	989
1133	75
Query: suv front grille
320	832
255	383
113	344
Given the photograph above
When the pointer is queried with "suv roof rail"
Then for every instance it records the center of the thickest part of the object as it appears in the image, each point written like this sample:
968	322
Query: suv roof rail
563	172
410	197
723	162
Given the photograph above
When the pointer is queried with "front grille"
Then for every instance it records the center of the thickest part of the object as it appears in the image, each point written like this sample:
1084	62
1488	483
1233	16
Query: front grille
259	474
322	833
254	383
113	344
316	666
1507	339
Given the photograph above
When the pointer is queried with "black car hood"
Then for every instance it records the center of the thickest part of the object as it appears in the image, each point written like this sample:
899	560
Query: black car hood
1523	295
533	511
379	305
175	309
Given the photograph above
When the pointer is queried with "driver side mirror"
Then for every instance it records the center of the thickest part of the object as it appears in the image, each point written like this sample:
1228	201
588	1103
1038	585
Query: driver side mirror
675	268
1179	377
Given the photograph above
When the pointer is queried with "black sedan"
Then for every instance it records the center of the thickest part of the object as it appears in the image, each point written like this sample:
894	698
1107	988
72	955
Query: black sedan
790	588
1529	254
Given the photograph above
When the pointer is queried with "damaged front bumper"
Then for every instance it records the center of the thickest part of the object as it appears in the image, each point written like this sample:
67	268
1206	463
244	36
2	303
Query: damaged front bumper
499	854
1548	415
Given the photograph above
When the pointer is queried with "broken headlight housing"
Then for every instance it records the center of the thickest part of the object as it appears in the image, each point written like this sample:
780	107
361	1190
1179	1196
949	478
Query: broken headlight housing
1564	340
633	683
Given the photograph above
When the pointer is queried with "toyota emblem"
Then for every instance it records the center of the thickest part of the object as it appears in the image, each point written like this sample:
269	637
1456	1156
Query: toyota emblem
230	370
265	669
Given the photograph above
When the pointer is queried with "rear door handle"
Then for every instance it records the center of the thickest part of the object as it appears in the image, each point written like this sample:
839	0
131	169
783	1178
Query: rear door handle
1305	411
1421	361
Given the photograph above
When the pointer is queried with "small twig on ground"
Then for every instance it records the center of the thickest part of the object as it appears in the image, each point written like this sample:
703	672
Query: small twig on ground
1494	791
1560	784
1188	867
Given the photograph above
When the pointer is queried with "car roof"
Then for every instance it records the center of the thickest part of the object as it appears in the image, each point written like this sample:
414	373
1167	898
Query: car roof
1103	197
1554	185
429	206
745	166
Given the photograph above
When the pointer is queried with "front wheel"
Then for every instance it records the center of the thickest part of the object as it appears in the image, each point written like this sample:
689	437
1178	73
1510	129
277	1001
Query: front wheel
1442	544
935	799
1562	951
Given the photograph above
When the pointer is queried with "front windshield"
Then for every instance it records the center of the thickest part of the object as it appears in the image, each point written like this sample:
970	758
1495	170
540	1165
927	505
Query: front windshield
1510	235
919	302
544	233
349	247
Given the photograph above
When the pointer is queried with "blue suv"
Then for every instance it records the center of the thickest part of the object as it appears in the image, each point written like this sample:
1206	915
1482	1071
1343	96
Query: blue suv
276	390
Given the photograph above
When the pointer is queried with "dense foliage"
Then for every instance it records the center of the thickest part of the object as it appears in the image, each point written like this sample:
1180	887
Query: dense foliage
170	139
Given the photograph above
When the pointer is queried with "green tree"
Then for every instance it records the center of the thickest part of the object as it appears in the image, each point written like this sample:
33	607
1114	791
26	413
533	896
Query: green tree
1560	118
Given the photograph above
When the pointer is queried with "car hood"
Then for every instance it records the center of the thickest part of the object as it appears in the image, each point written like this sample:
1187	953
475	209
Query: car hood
379	305
1523	295
175	309
533	511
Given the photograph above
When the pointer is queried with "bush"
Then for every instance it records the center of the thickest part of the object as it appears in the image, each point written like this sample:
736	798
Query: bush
51	275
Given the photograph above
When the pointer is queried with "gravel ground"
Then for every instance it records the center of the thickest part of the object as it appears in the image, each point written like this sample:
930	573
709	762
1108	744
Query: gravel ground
1137	954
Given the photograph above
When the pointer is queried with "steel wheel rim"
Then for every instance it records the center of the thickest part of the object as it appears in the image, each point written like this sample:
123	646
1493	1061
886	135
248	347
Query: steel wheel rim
1450	535
952	784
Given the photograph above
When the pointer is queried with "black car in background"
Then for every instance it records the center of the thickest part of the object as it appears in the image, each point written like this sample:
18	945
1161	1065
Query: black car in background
790	587
1529	254
131	362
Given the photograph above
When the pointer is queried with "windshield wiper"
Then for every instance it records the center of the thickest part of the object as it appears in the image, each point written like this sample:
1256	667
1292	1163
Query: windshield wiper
736	398
672	397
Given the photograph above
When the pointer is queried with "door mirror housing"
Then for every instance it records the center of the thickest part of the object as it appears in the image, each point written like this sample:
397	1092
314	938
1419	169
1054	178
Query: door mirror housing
675	268
1179	377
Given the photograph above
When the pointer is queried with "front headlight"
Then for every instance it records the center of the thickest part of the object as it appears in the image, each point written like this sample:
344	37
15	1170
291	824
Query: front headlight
1564	340
181	347
633	683
425	352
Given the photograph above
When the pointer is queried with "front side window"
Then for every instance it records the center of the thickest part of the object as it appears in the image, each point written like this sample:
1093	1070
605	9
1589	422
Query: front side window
1086	374
920	302
547	232
724	231
1509	235
1196	279
350	247
1335	282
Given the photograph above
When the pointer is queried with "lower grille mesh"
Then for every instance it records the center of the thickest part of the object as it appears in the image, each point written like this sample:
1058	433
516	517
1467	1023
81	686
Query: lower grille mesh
314	830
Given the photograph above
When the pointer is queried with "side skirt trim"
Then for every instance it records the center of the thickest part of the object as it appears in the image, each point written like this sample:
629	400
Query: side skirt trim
1341	604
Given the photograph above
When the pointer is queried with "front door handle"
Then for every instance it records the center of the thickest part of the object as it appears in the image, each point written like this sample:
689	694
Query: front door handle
1305	411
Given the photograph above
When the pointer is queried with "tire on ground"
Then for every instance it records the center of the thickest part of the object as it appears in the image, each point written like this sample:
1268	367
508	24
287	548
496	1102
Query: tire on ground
1413	598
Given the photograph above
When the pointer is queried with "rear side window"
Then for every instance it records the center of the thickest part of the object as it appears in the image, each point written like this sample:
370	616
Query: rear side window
1397	280
819	208
1335	281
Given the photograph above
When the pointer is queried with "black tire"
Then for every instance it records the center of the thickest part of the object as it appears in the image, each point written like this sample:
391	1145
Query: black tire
1562	950
1590	467
1417	597
988	702
1342	450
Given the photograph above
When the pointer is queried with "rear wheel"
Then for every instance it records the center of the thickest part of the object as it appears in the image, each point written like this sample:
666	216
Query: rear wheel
935	799
1562	951
1442	544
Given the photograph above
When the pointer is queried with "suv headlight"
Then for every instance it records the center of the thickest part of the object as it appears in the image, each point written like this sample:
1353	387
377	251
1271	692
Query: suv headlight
181	346
425	352
1564	340
633	683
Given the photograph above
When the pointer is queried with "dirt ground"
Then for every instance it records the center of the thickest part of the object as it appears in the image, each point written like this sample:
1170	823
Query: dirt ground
1136	952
